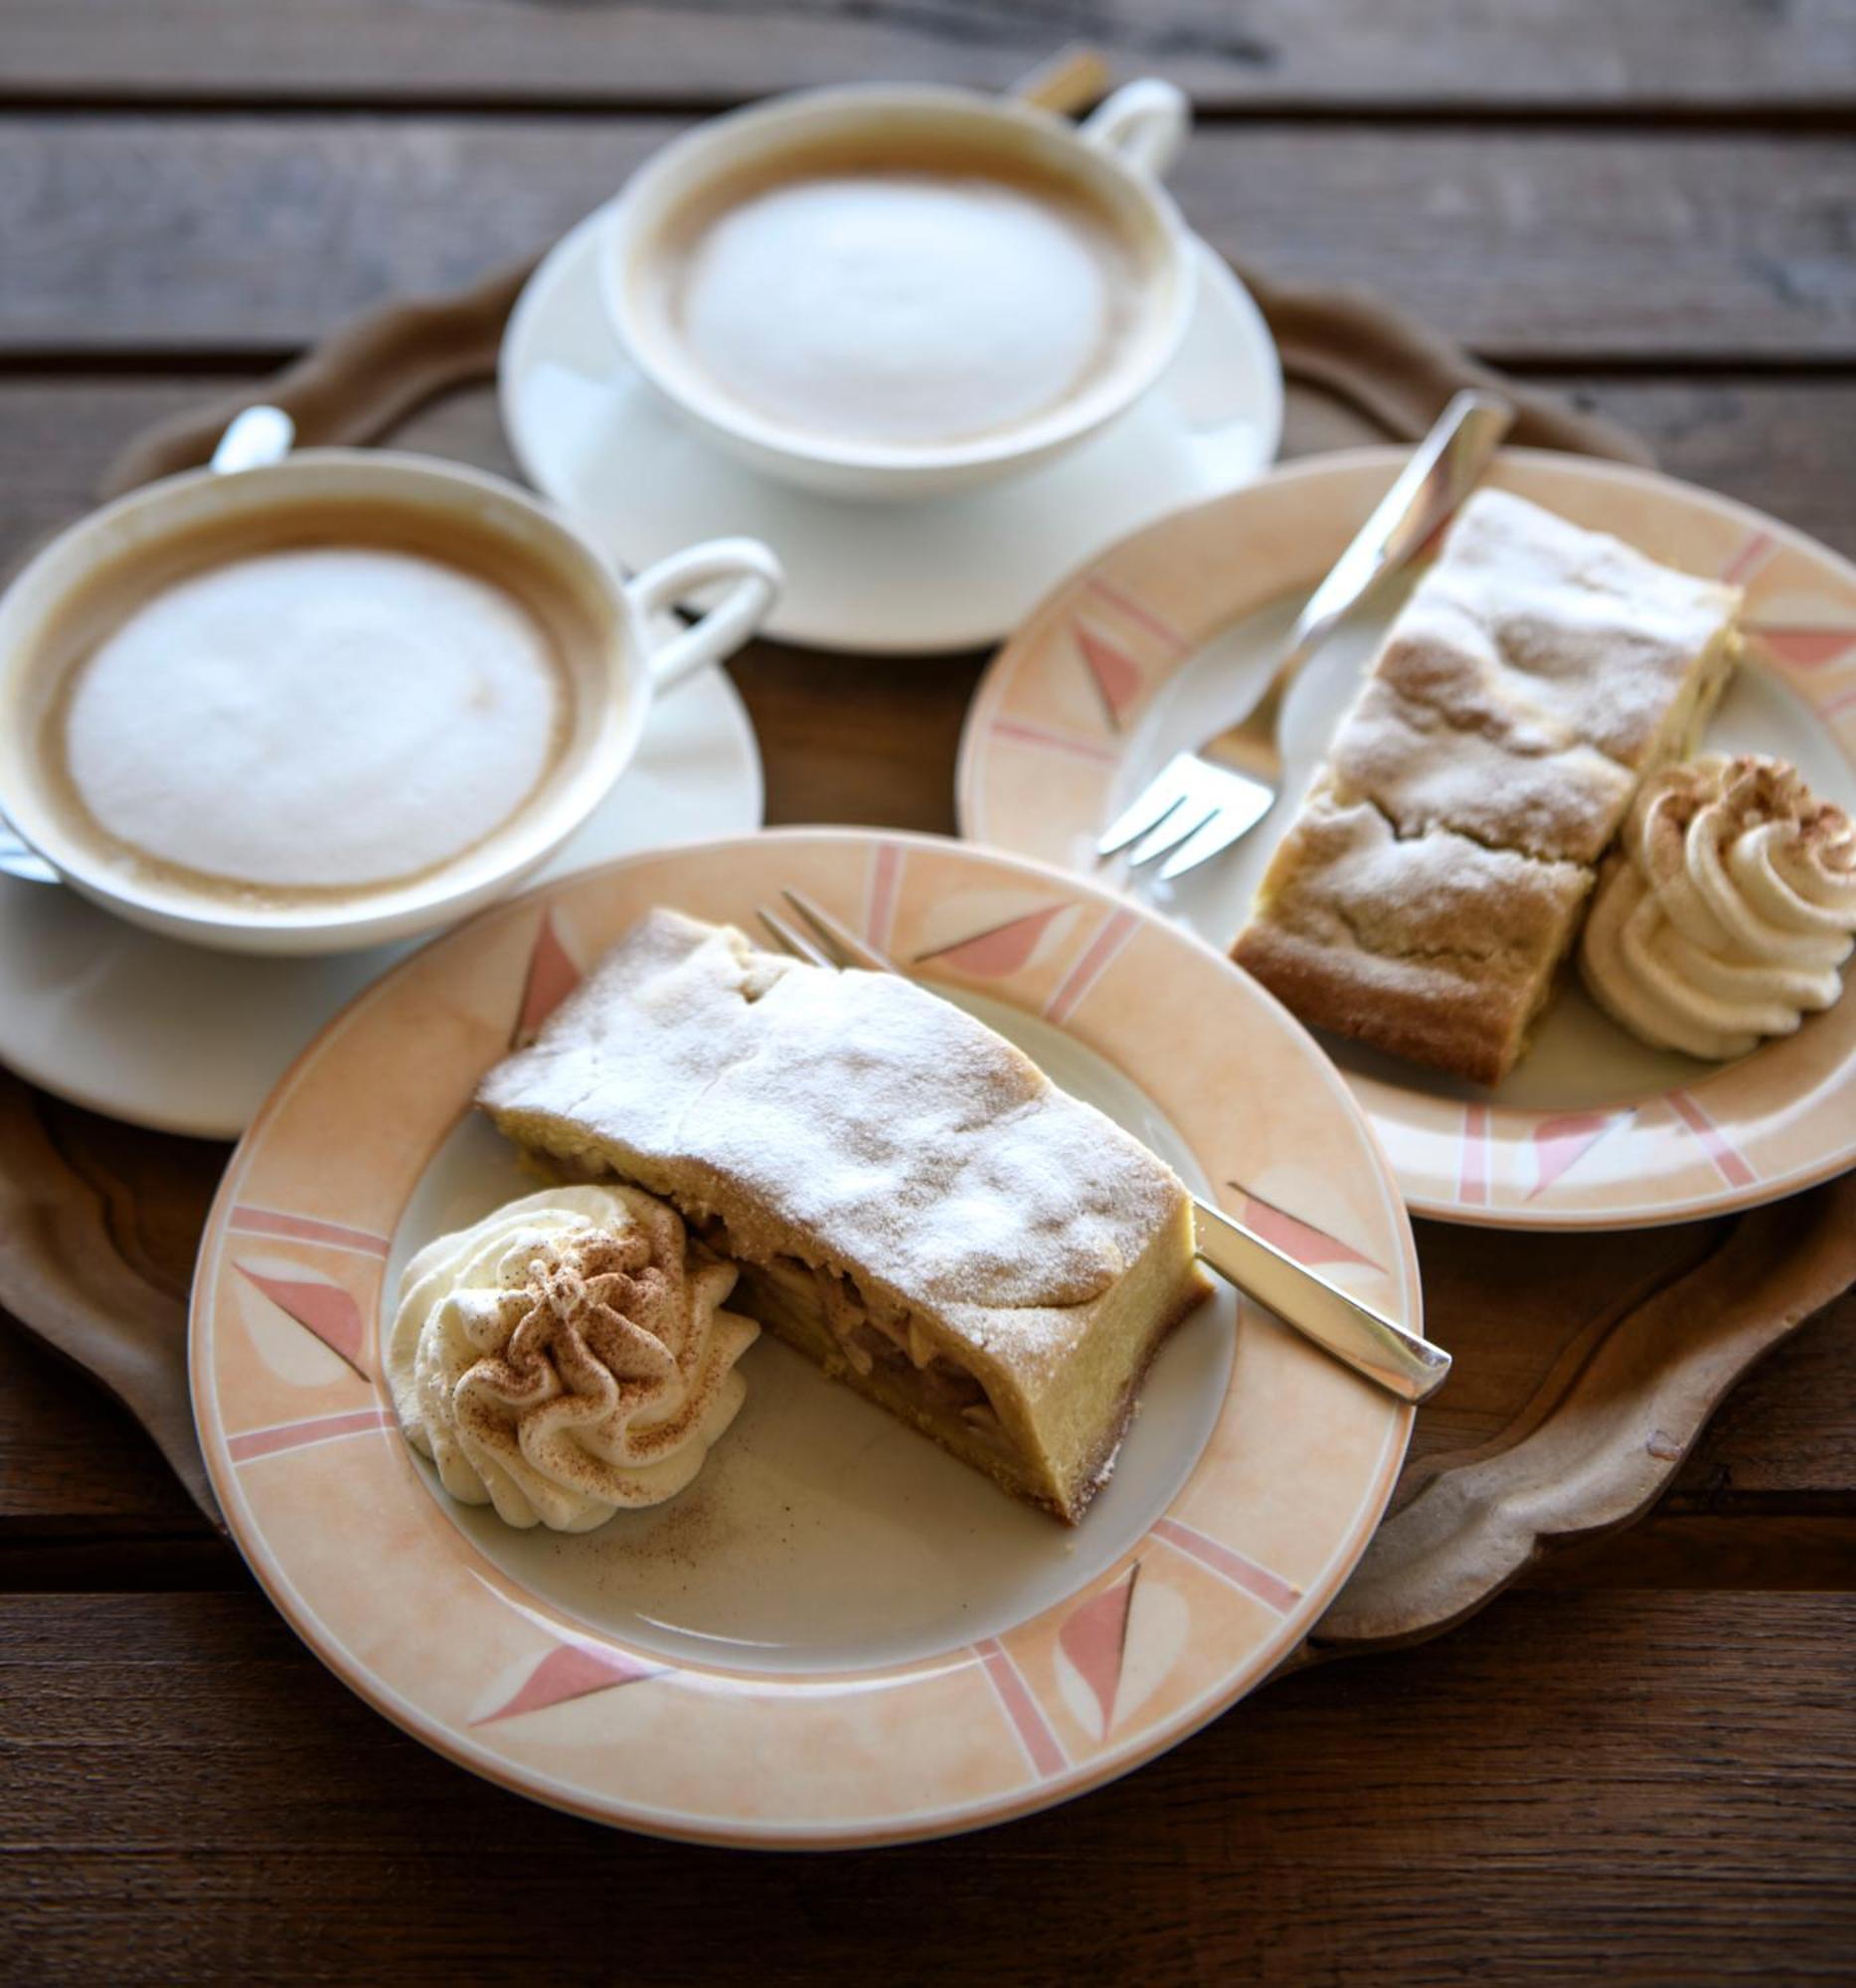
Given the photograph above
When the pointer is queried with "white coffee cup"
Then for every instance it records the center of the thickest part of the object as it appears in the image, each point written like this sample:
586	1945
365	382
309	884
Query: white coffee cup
1114	158
620	664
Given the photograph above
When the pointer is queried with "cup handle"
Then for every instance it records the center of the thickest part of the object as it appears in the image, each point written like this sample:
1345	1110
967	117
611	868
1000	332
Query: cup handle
754	577
1143	124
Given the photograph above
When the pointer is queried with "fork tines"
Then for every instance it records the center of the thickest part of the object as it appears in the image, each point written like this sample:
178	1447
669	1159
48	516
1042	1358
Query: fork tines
1189	808
792	941
836	946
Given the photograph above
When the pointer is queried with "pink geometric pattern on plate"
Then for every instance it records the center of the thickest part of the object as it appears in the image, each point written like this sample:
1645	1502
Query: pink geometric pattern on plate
322	1308
1228	1564
1115	674
1094	961
299	1435
1835	707
1748	559
249	1220
1805	648
1561	1143
1473	1175
1294	1236
1095	1639
550	978
1139	613
1728	1162
1056	742
573	1669
1000	950
1042	1746
886	875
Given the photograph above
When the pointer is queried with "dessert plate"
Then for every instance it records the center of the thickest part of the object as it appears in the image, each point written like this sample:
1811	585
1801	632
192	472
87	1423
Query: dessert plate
943	573
838	1634
1154	645
184	1040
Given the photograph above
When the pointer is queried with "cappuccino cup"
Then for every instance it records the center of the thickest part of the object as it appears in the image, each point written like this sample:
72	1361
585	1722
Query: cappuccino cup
896	292
332	699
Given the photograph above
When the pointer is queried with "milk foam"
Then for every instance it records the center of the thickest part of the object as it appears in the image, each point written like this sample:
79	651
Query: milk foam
906	308
327	717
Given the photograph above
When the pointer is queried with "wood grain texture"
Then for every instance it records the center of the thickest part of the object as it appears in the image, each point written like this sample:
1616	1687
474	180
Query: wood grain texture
243	234
1614	1785
96	1250
1607	1784
1275	55
1781	444
1615	1393
77	1464
1806	1554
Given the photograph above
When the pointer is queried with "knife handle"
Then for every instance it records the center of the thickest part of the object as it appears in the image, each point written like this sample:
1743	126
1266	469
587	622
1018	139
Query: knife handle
1366	1339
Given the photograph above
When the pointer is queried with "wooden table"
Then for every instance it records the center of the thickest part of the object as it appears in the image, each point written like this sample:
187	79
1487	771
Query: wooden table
1645	1765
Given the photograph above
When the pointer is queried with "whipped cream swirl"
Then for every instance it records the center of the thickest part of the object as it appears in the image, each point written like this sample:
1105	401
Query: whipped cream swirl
1726	911
566	1355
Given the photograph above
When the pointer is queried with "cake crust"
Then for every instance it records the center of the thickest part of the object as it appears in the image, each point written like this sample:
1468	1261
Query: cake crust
1434	947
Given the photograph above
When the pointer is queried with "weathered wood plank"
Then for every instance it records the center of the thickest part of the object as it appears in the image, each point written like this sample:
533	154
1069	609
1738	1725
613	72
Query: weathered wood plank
1781	444
1640	1787
78	1466
1704	1551
240	233
1268	54
1786	1436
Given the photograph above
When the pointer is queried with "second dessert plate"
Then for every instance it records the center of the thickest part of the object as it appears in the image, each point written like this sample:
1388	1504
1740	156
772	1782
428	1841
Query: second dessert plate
902	577
1160	641
838	1634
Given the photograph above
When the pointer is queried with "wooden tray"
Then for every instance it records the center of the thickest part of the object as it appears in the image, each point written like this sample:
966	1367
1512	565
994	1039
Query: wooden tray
1586	1367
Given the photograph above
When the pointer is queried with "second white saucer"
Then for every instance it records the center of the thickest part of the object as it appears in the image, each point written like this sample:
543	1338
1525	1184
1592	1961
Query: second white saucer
944	573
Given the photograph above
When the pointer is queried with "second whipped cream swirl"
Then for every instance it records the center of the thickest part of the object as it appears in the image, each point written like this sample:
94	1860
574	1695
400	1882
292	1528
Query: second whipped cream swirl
566	1355
1728	910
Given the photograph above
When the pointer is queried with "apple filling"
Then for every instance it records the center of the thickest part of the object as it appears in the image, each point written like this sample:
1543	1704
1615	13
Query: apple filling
871	1334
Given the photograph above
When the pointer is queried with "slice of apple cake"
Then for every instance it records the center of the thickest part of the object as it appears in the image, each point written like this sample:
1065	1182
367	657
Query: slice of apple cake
1433	884
910	1201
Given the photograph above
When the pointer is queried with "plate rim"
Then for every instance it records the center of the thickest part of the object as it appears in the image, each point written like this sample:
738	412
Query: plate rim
757	1833
1727	1198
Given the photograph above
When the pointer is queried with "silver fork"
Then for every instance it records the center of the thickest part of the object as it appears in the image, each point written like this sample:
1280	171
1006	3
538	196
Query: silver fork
1200	803
1366	1339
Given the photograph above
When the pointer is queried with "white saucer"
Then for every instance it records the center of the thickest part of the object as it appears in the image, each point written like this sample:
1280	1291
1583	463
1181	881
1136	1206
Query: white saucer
184	1040
943	573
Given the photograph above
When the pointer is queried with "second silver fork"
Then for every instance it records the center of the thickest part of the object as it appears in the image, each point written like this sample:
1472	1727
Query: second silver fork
1364	1338
1200	803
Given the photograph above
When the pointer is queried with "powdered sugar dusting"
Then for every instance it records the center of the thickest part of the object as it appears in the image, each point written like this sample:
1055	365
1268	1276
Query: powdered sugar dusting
905	1139
1569	631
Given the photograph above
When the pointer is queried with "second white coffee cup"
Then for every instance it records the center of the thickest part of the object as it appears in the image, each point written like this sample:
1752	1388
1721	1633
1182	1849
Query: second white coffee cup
1109	165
